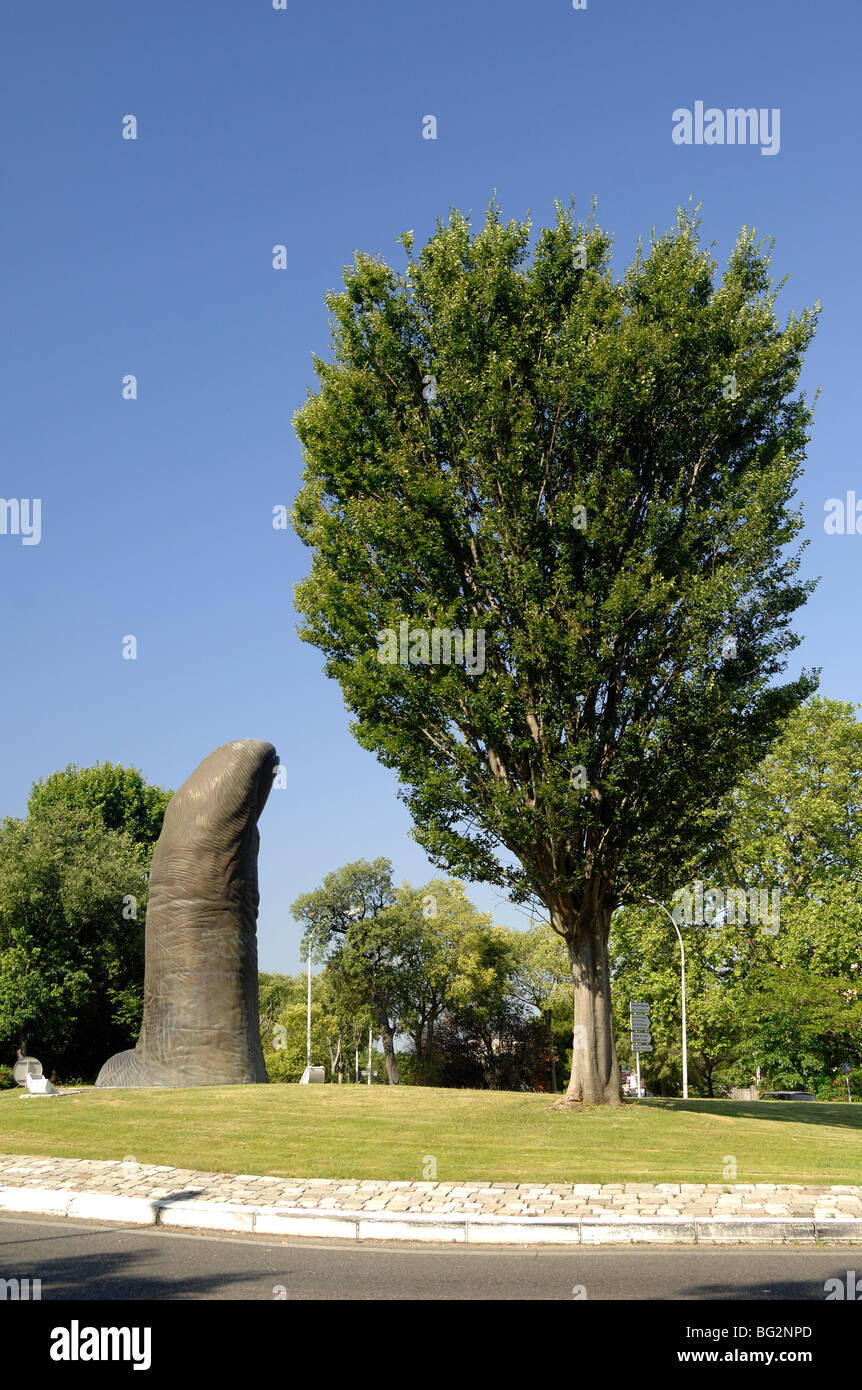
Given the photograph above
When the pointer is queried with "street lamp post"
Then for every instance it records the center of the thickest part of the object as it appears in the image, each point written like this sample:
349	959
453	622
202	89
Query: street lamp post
312	925
682	955
308	1018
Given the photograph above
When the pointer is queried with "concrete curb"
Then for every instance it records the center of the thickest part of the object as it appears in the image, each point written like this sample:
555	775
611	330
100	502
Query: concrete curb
440	1229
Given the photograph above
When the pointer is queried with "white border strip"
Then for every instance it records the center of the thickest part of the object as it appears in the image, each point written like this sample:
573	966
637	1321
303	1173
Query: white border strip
443	1228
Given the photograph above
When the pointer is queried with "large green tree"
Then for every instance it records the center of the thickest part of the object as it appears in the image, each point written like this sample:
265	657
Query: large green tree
596	474
73	894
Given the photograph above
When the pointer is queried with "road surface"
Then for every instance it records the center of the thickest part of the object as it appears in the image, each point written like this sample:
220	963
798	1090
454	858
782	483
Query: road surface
97	1261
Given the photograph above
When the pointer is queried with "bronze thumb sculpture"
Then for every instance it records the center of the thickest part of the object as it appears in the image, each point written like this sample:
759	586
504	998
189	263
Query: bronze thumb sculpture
200	1025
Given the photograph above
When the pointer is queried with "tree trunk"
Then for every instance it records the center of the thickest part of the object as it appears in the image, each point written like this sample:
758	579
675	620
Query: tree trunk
336	1061
552	1055
595	1078
387	1034
416	1039
393	1076
426	1069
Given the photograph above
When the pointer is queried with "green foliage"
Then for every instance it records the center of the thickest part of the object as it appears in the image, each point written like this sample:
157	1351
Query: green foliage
114	797
415	1070
355	922
481	1033
406	957
452	958
543	974
559	387
646	965
493	1048
339	1024
73	893
7	1080
276	993
348	1020
834	1090
284	1050
789	1003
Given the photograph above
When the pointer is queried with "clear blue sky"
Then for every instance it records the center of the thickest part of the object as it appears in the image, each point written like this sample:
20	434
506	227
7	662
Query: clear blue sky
153	257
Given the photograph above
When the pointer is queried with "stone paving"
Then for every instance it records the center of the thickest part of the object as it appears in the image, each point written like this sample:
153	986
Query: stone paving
609	1200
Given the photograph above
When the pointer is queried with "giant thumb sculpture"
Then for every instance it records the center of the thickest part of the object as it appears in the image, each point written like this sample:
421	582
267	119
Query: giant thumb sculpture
200	1025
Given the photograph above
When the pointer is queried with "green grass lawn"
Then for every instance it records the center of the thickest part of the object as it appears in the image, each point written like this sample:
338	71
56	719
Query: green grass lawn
492	1136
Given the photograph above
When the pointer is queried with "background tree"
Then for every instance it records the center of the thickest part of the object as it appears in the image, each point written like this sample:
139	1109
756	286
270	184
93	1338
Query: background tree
339	1024
114	797
493	1042
598	475
354	923
543	979
645	964
348	1019
73	893
285	1042
450	957
795	828
276	993
789	1002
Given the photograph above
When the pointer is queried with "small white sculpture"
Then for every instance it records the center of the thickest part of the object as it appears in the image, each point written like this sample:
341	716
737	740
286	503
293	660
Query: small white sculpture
41	1086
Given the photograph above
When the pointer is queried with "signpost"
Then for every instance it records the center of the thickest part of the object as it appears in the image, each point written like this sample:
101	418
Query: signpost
641	1035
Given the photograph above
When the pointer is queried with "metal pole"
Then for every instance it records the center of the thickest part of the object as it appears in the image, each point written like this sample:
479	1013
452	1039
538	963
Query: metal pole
684	1038
682	954
638	1061
308	1031
369	1054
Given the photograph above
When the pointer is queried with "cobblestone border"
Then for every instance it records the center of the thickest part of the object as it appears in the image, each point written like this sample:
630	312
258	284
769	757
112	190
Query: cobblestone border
444	1228
448	1213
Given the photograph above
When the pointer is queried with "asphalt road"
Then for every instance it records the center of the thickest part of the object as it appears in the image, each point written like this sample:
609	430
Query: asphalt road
100	1261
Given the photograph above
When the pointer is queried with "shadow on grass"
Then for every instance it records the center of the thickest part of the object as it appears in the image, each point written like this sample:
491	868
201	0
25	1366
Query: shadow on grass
799	1112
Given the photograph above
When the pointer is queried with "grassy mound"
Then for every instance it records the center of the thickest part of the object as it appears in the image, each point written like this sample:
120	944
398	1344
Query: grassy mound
391	1133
